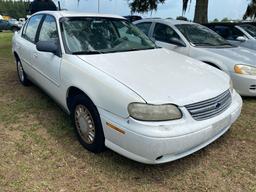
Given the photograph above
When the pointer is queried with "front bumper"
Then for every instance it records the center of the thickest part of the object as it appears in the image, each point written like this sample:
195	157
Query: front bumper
244	84
161	142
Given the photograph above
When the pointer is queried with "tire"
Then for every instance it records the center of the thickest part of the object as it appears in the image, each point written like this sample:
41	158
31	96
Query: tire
87	123
21	74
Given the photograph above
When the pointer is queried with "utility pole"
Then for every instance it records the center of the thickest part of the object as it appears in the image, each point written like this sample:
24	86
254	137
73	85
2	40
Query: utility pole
98	6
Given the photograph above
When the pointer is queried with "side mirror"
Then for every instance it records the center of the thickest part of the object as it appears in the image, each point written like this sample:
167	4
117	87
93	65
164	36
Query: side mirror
241	39
177	42
49	46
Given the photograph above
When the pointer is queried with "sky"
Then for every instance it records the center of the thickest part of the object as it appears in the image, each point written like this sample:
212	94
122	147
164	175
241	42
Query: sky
233	9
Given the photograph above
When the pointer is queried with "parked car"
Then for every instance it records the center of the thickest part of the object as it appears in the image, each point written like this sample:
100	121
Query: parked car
203	44
250	22
13	21
22	21
240	34
5	25
147	103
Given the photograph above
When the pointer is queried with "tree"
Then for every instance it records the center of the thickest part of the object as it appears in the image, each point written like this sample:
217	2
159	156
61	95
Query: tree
216	20
14	9
182	18
142	6
251	10
225	19
201	10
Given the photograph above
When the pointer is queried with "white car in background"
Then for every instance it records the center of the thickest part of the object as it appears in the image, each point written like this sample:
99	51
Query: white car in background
203	44
240	34
147	103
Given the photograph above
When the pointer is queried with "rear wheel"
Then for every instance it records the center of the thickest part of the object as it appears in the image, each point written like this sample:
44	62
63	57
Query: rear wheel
88	124
21	74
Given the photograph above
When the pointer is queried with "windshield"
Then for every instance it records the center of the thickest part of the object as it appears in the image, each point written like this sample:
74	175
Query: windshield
199	35
249	29
92	35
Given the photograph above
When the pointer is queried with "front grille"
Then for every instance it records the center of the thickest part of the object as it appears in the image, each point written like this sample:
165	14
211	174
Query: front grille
210	108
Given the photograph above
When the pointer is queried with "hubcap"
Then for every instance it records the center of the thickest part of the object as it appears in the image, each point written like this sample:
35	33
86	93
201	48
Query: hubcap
20	71
84	124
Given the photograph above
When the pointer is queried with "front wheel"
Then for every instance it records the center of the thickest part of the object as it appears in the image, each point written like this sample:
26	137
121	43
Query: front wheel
88	124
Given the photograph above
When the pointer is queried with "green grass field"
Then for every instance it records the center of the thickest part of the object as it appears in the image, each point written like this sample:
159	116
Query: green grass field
39	150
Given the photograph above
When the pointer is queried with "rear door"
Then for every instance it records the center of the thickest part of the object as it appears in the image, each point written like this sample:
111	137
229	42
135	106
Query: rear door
26	46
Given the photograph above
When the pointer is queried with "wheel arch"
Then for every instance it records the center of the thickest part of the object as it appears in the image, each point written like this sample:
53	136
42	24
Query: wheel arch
16	55
213	65
72	92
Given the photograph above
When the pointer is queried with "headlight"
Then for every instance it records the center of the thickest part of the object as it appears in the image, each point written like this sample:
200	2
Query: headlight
231	85
245	69
148	112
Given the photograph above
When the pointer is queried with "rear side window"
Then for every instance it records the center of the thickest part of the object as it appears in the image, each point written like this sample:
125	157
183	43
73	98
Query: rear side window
49	29
164	33
30	30
144	27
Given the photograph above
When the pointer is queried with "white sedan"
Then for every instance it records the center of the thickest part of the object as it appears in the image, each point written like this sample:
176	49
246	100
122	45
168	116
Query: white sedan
240	34
201	43
146	103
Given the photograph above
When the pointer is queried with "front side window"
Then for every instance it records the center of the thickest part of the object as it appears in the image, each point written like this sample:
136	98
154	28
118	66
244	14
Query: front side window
49	29
30	30
145	27
164	33
92	35
199	35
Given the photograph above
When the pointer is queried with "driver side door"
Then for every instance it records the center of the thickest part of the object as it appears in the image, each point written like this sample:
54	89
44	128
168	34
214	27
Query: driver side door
48	64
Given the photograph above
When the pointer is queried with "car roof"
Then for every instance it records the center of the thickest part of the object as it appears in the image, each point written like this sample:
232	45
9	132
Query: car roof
166	21
225	24
60	14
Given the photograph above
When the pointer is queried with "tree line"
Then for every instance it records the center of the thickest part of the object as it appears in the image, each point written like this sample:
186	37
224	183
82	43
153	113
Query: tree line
18	9
201	8
14	9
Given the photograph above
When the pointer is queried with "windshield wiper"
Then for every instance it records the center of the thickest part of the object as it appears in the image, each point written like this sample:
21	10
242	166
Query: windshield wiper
203	44
129	50
86	52
223	44
212	45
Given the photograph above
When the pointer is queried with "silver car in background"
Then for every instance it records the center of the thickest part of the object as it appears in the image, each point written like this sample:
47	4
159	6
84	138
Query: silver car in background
203	44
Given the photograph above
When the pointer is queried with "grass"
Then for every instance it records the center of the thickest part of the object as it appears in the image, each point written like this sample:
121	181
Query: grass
39	150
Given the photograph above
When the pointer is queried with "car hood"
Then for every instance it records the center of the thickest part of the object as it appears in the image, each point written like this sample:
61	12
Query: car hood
162	76
239	54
